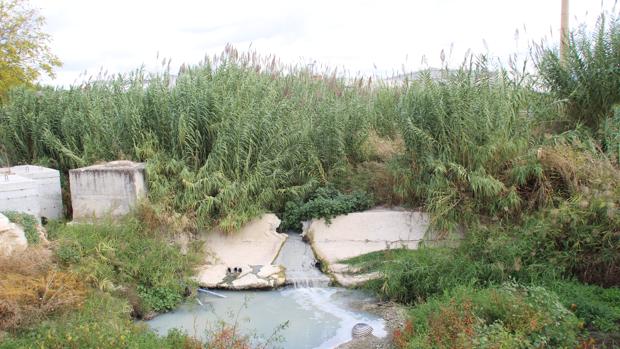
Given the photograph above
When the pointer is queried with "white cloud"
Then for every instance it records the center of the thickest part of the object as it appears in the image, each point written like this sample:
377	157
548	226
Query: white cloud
359	35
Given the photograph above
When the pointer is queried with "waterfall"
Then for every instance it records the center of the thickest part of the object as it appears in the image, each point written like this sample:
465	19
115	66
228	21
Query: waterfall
298	259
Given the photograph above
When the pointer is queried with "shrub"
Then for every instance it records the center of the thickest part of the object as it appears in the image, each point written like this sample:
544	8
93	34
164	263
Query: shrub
410	276
127	256
103	322
325	203
506	316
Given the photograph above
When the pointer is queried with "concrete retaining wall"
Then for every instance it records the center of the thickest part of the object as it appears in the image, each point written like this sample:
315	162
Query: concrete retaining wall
111	189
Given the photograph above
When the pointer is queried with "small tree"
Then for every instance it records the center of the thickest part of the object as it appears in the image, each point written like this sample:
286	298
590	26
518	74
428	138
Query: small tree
24	48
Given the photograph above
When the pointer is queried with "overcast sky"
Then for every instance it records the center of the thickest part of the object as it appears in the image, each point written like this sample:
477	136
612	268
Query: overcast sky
367	37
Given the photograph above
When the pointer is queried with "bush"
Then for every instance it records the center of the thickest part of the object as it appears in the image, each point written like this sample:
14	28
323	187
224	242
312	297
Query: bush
507	316
27	222
103	322
325	203
127	256
410	276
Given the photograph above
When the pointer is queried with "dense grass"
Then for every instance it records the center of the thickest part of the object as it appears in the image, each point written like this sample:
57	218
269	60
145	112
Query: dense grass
103	322
128	260
508	316
588	83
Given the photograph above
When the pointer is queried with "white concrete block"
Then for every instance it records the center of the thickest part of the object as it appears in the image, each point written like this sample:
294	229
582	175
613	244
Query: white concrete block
18	194
111	189
48	186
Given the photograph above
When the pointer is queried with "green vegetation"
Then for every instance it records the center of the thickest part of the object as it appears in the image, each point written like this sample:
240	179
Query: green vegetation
508	316
325	202
233	137
128	260
27	222
588	83
526	167
102	322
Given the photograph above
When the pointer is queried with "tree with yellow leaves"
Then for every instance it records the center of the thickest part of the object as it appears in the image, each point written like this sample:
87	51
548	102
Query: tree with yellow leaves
24	48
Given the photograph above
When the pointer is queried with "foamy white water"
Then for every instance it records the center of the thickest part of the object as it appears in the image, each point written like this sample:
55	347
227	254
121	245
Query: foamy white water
317	317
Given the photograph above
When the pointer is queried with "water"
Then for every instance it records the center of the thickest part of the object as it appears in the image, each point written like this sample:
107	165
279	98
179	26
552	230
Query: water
299	260
317	317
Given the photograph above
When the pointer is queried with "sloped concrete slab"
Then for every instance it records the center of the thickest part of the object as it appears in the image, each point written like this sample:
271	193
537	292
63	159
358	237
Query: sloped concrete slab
360	233
253	249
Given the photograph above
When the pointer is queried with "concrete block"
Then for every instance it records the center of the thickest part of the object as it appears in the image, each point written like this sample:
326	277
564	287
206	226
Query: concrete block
18	194
48	186
106	189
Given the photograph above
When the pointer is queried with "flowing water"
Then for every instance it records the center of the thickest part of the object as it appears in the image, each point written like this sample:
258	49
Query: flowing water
299	260
314	315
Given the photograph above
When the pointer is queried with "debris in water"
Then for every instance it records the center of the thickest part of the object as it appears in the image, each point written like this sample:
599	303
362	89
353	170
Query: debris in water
211	292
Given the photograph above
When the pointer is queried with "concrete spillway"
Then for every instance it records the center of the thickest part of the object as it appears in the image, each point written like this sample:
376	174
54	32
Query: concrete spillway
299	260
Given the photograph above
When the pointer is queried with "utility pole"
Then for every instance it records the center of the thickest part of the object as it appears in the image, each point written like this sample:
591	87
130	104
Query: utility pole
564	33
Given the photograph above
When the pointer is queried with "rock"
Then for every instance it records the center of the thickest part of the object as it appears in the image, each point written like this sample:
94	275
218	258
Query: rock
12	237
253	249
360	233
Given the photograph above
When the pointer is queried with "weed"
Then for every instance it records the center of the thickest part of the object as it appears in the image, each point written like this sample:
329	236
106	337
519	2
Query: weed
126	255
31	290
506	316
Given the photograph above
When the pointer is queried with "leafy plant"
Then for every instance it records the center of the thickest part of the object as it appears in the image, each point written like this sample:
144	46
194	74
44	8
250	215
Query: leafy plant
598	307
325	202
